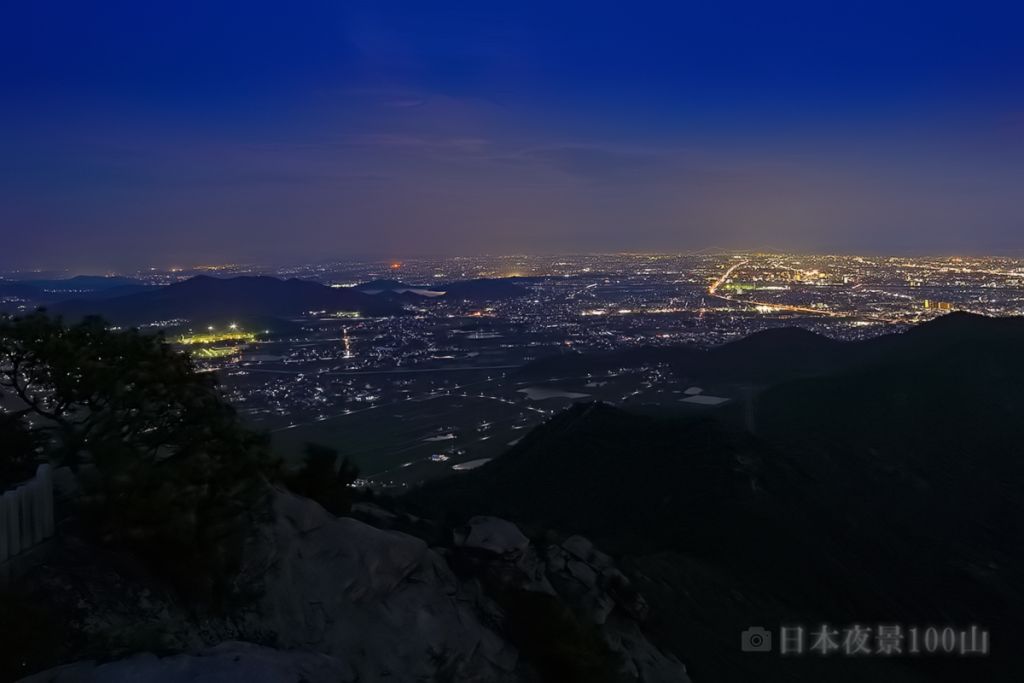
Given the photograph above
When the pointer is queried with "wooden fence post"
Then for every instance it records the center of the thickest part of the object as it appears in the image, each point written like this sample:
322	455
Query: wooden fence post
26	514
12	507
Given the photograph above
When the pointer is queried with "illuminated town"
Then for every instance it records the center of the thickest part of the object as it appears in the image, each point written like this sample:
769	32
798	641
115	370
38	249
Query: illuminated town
564	342
333	375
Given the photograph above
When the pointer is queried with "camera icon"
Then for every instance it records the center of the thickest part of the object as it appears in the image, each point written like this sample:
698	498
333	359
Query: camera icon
756	639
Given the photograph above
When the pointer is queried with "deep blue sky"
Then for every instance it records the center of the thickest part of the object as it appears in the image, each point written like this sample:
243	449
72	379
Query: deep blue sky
189	132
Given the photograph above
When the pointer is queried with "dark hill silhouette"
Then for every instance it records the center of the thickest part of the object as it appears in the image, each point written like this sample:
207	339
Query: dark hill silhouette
781	340
209	298
887	489
81	287
19	289
85	282
588	467
774	355
946	331
763	357
58	295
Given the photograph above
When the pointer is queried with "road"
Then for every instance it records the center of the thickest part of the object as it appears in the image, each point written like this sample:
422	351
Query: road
725	278
713	291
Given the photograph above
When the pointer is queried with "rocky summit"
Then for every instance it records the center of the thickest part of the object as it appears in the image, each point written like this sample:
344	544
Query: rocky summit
339	600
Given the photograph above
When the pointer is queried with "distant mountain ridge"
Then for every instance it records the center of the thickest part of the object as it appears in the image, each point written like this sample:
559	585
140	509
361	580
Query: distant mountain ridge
85	282
227	298
80	286
125	301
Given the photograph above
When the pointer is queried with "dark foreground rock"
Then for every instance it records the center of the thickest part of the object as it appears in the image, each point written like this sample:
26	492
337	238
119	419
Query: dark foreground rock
338	600
229	661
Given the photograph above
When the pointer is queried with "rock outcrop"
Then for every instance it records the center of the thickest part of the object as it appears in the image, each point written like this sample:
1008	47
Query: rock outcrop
589	582
381	600
580	576
492	535
339	600
230	661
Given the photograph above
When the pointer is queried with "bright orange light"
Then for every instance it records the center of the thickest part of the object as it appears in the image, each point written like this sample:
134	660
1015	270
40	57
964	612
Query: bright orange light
396	265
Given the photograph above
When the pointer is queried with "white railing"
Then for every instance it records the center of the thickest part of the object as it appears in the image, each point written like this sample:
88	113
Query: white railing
26	514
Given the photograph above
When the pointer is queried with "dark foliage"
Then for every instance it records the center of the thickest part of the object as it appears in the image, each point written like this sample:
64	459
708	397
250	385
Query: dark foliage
18	452
324	480
32	638
169	471
554	641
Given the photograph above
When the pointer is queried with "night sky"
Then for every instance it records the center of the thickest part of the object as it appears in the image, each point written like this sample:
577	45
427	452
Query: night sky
178	133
